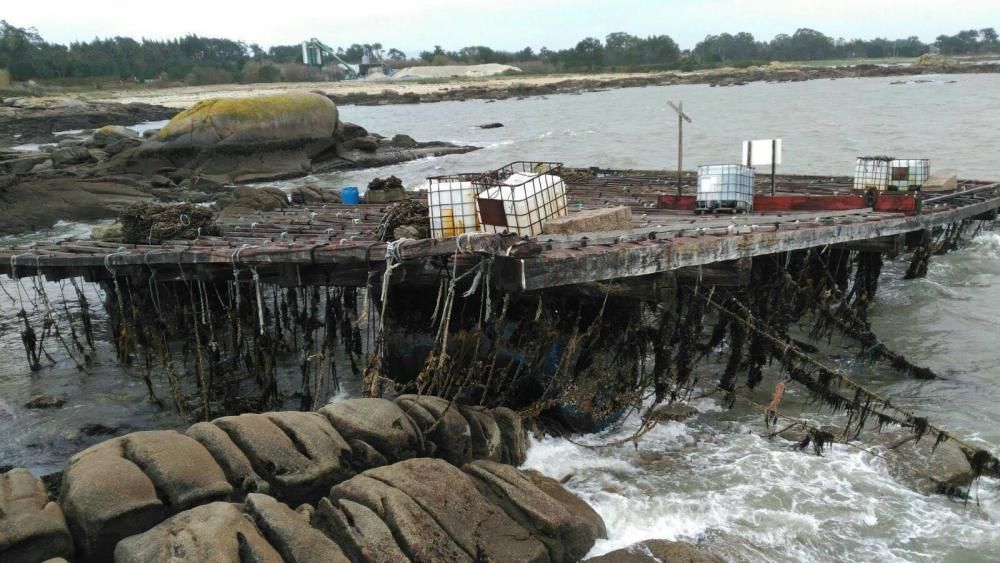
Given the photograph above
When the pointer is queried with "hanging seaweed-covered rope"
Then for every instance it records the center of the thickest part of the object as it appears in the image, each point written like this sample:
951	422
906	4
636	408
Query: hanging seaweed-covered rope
820	384
825	297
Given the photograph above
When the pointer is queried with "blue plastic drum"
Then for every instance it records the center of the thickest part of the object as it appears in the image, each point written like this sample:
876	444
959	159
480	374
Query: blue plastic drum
349	196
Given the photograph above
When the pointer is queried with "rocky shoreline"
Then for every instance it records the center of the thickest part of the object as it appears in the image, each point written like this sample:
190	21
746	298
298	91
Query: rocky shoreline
417	478
199	156
486	90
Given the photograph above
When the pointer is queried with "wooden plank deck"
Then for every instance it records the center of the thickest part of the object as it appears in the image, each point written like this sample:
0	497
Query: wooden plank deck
335	244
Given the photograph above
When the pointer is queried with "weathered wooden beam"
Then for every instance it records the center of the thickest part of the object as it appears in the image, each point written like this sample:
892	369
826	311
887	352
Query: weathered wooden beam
594	263
891	245
729	273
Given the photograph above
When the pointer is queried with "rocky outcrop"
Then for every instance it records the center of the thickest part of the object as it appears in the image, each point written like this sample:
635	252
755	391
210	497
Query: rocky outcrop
126	486
927	467
63	198
37	119
414	510
292	117
200	152
428	510
566	525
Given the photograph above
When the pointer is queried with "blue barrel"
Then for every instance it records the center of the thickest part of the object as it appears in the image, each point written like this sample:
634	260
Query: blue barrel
349	196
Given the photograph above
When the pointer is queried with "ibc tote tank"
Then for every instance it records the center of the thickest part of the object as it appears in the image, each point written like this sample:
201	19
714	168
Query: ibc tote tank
725	187
451	202
909	173
872	173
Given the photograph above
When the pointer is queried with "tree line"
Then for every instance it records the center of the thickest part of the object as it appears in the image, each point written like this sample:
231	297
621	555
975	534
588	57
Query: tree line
25	55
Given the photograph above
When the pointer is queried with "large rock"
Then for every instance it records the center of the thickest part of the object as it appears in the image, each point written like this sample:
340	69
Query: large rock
106	498
110	134
379	423
182	470
513	435
289	532
660	551
246	200
276	118
235	464
487	441
212	533
65	199
31	527
69	156
921	465
435	512
442	424
358	530
565	524
300	454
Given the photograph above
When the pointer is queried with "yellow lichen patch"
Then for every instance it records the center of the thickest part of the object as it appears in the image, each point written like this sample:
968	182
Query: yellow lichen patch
227	115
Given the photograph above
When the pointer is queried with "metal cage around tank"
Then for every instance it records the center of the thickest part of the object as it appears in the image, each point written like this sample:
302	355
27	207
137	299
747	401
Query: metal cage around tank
908	174
451	204
872	173
520	197
725	187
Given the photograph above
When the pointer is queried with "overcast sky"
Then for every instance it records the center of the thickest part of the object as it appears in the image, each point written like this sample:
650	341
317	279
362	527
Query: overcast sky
414	25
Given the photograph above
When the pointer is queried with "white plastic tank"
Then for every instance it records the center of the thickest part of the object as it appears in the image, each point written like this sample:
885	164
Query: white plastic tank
872	173
909	173
451	201
521	203
725	187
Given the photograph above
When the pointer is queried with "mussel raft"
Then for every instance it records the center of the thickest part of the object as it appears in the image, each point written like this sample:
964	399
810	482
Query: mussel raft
572	331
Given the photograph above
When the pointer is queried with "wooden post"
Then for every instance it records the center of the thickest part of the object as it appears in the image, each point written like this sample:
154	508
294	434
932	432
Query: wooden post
681	118
774	161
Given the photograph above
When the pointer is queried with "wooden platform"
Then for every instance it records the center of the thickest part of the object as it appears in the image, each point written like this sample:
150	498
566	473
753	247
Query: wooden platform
335	245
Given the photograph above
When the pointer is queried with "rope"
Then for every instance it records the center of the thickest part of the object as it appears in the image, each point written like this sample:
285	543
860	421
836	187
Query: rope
908	415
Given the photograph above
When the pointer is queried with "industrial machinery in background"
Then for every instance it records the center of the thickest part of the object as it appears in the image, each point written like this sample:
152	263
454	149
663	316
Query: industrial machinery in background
316	53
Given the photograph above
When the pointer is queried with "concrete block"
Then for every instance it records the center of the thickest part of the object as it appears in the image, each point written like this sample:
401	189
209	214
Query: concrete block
590	221
943	181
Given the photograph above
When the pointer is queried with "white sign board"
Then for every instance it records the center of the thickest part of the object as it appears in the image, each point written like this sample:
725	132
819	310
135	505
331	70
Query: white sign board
759	152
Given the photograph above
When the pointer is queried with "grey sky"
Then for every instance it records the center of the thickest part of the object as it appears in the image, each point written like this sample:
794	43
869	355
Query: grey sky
412	25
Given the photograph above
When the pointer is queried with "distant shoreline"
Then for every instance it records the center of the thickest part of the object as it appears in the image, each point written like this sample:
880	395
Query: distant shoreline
362	92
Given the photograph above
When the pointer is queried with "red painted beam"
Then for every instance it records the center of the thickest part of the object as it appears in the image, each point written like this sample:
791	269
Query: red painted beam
896	203
680	203
786	202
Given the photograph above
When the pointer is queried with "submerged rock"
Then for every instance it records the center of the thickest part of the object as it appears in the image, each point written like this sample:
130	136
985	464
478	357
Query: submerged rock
675	411
660	551
922	466
45	402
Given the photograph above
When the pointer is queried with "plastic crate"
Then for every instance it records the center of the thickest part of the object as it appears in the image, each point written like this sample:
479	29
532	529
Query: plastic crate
520	197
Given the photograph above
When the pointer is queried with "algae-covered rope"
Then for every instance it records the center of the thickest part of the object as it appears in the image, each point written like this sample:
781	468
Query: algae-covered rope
991	464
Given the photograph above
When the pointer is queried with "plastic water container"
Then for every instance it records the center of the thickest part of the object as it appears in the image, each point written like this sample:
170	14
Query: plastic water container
909	173
519	199
872	173
451	201
350	196
725	187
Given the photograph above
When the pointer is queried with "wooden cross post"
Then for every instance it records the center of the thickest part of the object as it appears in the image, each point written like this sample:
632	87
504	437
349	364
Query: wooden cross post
681	118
